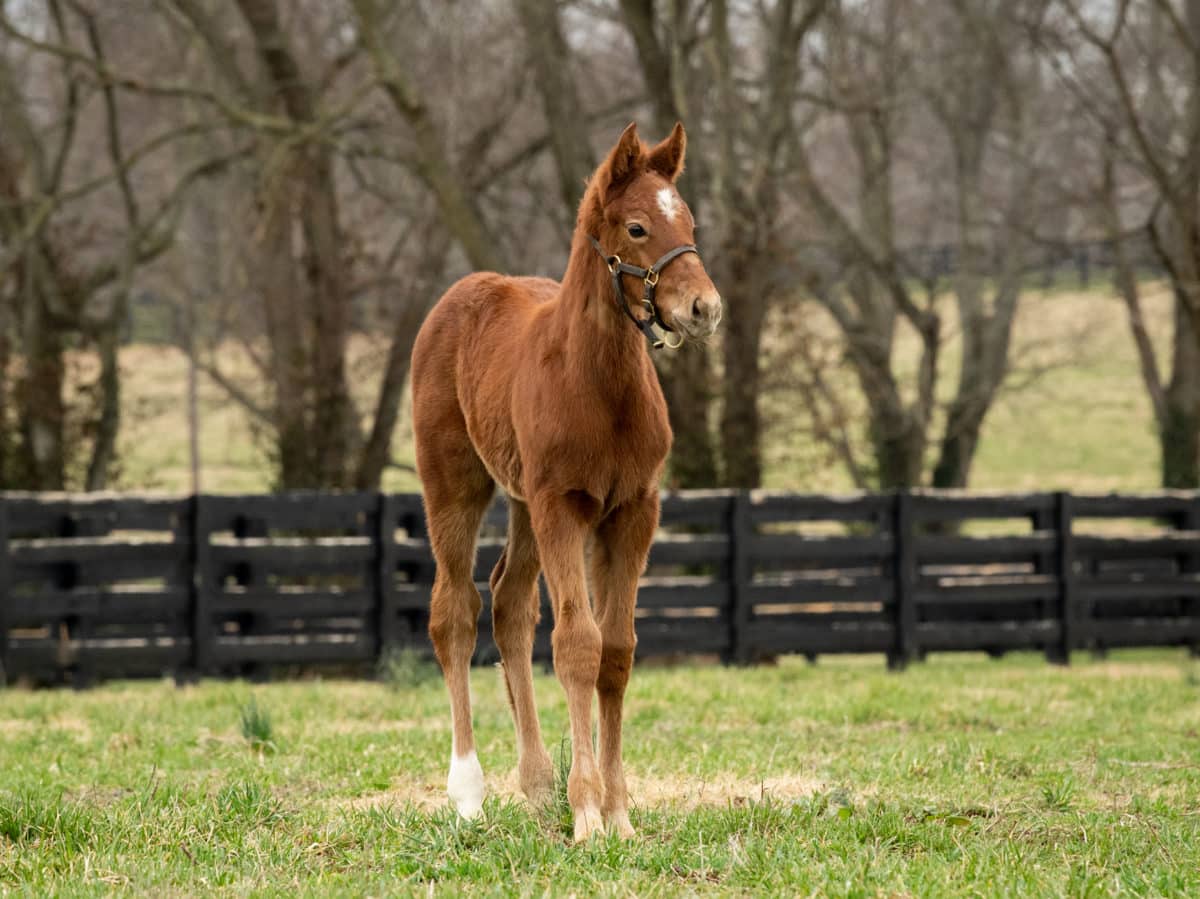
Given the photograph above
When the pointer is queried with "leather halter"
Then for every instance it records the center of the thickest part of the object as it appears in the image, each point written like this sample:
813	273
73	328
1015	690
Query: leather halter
649	278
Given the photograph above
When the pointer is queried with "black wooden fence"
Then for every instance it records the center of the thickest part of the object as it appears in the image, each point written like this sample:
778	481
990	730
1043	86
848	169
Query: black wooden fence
121	586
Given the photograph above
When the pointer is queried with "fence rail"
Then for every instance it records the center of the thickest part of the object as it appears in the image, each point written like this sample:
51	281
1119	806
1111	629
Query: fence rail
123	586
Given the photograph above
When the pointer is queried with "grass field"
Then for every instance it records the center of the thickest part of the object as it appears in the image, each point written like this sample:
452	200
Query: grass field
960	777
1074	414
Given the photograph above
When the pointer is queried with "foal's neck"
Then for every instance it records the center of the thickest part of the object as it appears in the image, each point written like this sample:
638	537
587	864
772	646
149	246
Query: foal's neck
600	341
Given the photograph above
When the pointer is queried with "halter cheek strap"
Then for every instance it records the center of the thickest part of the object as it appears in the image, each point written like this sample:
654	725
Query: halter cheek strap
649	278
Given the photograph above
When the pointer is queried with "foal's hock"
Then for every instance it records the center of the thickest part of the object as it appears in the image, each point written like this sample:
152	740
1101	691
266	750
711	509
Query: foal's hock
548	390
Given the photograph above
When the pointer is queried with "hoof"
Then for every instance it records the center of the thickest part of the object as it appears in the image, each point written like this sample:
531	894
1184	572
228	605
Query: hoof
537	782
587	823
618	823
465	784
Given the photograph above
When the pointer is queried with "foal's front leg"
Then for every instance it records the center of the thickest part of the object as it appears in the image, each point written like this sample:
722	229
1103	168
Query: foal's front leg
561	527
618	559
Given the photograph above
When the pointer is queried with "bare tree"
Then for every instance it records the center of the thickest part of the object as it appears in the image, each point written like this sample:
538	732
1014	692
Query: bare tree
962	76
304	97
58	286
1136	75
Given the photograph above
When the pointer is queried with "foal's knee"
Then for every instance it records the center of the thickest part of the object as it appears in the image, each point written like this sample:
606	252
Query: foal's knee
513	621
453	621
616	663
577	646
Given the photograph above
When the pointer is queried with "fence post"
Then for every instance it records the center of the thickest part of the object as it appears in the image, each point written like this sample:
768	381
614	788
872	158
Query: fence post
904	580
202	587
739	577
1050	563
1067	611
188	672
385	576
5	598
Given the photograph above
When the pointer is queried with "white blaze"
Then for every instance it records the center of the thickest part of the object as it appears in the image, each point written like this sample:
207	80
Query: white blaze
465	784
668	202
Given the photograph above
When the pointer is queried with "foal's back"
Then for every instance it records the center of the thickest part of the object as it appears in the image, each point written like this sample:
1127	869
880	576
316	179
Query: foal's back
478	317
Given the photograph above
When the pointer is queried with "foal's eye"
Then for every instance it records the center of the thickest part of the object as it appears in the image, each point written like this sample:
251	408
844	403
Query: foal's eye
636	230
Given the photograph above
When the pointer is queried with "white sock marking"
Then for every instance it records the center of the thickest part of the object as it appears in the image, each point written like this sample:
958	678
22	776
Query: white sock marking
465	784
668	202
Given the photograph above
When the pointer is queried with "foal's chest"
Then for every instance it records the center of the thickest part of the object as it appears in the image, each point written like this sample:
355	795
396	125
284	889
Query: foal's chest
639	447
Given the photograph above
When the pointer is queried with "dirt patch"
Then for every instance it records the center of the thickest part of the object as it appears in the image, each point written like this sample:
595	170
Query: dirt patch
358	726
985	694
1125	670
677	793
690	793
68	724
73	725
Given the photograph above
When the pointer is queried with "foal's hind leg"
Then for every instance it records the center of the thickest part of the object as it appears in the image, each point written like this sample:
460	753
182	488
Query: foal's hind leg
618	559
515	612
454	508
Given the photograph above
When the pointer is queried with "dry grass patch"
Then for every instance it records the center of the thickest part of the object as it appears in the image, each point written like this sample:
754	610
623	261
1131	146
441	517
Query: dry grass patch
666	793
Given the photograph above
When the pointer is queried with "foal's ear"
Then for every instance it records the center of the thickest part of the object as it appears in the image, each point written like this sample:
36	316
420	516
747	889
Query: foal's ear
622	161
667	157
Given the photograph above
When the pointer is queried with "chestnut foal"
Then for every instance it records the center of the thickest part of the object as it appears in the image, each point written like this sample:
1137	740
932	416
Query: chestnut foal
548	390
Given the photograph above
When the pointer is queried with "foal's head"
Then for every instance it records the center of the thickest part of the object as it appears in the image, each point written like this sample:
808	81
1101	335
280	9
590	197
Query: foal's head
635	212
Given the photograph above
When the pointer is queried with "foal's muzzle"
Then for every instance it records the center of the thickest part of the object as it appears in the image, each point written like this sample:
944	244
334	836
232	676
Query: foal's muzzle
699	318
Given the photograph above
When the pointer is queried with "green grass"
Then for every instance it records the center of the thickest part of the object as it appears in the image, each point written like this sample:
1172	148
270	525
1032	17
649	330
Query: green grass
256	727
960	777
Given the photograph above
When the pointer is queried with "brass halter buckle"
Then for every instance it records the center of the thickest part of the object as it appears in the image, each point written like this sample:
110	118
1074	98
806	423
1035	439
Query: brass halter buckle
613	262
651	278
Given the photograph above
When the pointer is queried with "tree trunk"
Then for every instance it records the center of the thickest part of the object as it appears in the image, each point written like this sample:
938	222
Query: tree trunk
277	283
318	427
898	444
104	450
986	339
334	419
6	436
963	425
551	60
741	426
40	400
687	384
1179	433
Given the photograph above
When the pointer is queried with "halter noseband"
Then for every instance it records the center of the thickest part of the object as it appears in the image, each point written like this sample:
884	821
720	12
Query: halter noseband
649	278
